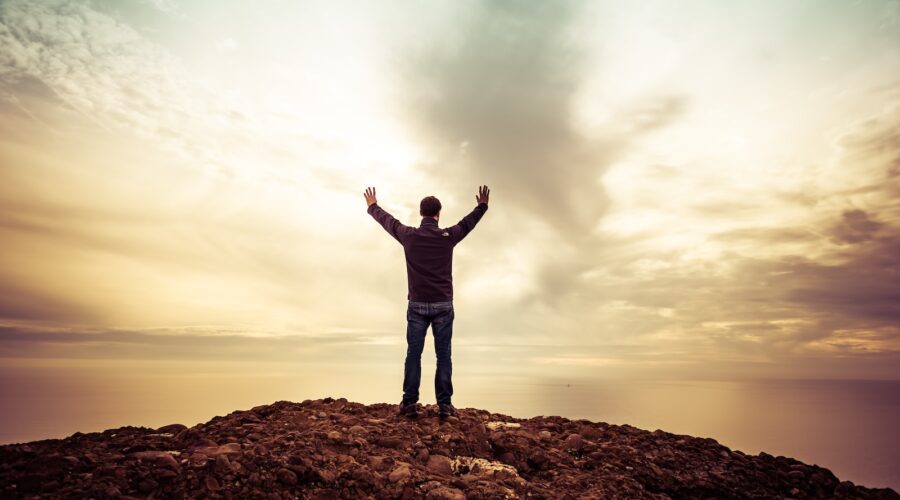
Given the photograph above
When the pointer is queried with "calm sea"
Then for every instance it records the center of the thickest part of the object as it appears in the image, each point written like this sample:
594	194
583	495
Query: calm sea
849	427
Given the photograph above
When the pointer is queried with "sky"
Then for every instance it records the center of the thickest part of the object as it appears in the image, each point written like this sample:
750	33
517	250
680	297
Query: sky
678	189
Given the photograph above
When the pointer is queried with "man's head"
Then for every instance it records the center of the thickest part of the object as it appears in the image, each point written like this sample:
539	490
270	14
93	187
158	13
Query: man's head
430	207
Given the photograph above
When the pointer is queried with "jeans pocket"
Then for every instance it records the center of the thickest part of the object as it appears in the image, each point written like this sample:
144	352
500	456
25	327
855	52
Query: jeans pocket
441	306
416	311
444	316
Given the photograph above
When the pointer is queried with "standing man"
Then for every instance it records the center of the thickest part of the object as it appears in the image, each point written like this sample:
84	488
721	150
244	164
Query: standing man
429	274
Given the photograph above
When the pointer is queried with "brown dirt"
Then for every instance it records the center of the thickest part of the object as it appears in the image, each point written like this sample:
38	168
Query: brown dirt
334	448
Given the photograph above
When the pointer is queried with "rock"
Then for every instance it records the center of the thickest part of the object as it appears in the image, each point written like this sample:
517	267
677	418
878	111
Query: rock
423	455
229	449
458	483
327	476
445	493
165	474
171	429
399	473
486	469
573	442
204	443
493	426
469	479
247	463
212	483
545	435
198	460
159	458
507	457
439	464
538	460
147	485
389	442
222	463
287	476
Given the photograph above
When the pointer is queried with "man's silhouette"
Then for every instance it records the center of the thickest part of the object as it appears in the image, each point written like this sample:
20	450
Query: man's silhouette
429	273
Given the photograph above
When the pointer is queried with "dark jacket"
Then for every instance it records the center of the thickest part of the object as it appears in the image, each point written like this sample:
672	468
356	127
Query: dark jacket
429	251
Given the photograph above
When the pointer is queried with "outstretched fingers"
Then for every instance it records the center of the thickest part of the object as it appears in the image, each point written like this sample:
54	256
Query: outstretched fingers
370	195
483	193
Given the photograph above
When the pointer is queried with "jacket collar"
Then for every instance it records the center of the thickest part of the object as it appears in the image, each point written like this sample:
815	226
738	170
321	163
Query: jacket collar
428	221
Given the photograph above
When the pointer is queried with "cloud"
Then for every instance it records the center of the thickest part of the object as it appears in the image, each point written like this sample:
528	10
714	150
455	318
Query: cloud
496	103
765	290
118	79
123	161
99	66
100	228
855	227
638	234
843	293
226	45
24	301
167	6
767	235
203	343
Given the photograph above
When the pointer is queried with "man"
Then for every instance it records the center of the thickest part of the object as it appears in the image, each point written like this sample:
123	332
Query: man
429	274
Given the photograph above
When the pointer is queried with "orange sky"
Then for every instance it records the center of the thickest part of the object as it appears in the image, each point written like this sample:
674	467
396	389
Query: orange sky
697	188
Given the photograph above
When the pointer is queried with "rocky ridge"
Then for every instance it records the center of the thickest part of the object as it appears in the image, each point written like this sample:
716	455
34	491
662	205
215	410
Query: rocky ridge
333	448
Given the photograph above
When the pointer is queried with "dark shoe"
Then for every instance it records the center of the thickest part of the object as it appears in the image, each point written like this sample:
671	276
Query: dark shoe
409	410
446	410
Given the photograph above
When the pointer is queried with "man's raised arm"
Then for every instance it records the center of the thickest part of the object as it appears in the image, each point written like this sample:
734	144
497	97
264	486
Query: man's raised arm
467	224
390	224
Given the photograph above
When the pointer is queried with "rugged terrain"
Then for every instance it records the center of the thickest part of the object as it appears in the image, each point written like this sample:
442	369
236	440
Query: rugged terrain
333	448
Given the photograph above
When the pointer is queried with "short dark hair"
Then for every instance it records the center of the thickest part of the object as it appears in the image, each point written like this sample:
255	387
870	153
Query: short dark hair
430	206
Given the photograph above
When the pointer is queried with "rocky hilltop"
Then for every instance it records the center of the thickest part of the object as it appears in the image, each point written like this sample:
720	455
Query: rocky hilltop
334	448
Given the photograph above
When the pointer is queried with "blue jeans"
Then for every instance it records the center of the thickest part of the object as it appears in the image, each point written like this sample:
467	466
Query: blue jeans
419	315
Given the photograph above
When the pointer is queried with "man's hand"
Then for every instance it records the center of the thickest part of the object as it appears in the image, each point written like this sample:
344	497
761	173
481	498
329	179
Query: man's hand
483	194
370	196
